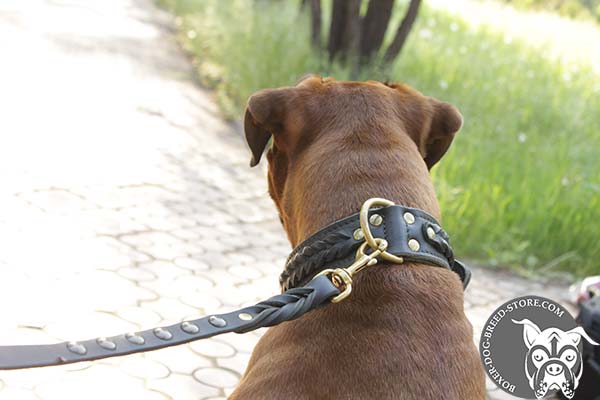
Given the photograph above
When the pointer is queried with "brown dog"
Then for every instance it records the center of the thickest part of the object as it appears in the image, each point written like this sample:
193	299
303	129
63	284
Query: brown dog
402	334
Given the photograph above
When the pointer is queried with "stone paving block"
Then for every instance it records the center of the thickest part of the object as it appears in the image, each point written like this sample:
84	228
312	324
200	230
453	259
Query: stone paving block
56	201
214	218
247	211
182	285
136	274
106	382
170	309
181	208
87	326
221	276
243	343
192	263
182	387
213	348
164	271
140	366
28	379
204	302
102	291
138	196
217	377
215	245
245	272
237	363
24	335
180	359
147	239
170	223
11	393
165	252
108	222
233	259
144	317
112	254
215	260
187	234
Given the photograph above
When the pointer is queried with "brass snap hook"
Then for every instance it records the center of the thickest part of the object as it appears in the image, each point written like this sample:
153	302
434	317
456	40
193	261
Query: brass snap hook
342	277
364	226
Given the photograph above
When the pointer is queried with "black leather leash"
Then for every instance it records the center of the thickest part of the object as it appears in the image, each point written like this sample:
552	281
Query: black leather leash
393	233
282	307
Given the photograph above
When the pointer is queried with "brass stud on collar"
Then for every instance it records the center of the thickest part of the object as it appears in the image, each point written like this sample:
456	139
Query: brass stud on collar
430	233
245	316
409	218
358	234
376	219
414	245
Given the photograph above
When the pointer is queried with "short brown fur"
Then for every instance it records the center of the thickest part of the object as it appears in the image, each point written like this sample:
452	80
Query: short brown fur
402	334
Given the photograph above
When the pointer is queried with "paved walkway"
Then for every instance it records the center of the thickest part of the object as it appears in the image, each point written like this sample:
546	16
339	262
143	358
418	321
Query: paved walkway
126	202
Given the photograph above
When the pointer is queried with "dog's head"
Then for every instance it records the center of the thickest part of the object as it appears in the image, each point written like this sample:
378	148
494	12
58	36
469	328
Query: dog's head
329	134
553	361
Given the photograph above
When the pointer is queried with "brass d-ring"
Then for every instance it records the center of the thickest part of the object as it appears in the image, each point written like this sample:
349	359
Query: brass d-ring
364	225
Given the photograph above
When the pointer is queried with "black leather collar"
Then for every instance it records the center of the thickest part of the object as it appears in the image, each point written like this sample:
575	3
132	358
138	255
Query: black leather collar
335	245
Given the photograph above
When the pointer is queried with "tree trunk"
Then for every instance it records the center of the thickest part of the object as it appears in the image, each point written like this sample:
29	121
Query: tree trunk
345	29
373	28
315	18
403	31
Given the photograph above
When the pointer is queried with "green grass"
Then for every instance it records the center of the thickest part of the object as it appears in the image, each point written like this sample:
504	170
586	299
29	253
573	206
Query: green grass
521	184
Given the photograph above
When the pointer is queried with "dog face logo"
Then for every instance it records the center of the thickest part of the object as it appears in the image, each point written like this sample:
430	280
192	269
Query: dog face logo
553	360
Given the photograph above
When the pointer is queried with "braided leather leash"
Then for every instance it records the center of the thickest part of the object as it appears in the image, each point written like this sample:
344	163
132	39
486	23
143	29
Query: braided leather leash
331	284
283	307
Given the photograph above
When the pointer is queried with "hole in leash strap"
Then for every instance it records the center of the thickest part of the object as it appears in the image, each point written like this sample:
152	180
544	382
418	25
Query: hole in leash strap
245	317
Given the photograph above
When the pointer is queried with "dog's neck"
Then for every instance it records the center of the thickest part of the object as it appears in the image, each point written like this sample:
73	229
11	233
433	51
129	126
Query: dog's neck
334	185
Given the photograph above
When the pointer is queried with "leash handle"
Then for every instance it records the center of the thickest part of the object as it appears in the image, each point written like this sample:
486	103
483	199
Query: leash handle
275	310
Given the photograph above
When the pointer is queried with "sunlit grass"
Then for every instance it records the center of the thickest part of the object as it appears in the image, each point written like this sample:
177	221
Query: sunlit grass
521	185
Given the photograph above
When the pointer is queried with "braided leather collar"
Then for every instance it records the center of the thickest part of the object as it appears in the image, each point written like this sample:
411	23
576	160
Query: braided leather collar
411	233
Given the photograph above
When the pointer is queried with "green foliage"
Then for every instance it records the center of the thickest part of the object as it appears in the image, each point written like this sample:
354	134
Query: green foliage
588	9
520	186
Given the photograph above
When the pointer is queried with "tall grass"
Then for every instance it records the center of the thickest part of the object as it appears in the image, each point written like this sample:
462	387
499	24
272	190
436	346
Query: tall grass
521	185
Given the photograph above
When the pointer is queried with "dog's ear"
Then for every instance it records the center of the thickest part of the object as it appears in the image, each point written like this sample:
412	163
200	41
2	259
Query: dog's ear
530	331
431	123
264	117
446	121
577	333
